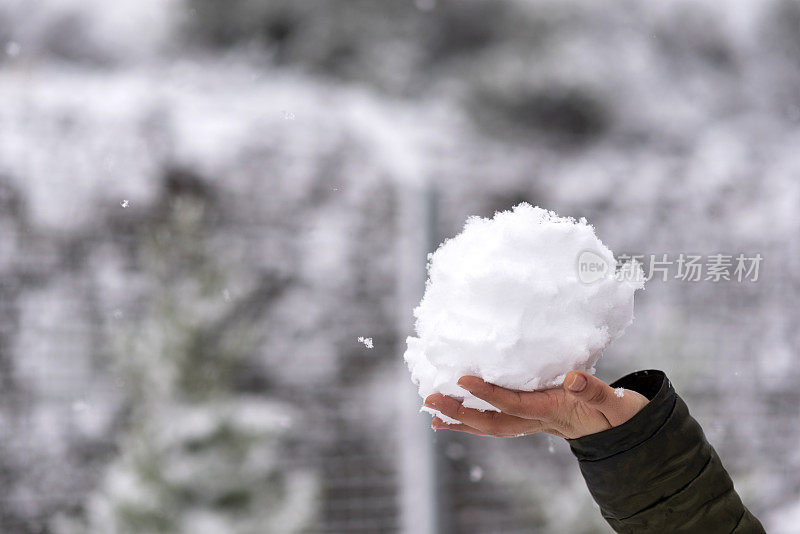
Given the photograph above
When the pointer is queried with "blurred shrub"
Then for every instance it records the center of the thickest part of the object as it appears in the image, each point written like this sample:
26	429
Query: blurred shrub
347	39
561	114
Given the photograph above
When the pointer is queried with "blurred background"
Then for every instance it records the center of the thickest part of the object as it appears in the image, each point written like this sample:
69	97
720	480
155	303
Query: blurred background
204	203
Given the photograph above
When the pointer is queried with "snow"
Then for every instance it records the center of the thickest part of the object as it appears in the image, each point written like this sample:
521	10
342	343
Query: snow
80	406
367	341
784	520
505	301
476	473
455	450
712	169
619	392
125	203
13	49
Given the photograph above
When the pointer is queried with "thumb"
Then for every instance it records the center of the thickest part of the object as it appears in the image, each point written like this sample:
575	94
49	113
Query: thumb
597	394
588	389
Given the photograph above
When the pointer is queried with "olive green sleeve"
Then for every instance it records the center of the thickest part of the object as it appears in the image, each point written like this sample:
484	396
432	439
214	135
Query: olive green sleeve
656	473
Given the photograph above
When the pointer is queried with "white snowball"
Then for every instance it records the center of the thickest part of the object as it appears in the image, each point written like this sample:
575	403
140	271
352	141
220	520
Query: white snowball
518	300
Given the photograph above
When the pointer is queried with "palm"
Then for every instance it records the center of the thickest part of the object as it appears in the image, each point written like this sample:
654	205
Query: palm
581	418
556	411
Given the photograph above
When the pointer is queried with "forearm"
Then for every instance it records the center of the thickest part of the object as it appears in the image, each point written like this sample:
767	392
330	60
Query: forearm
657	473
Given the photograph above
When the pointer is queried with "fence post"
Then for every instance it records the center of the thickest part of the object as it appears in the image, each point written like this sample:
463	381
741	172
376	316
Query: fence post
422	505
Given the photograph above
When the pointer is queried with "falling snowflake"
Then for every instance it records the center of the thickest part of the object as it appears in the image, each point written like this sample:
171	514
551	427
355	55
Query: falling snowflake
367	341
285	421
476	473
124	203
455	450
551	448
117	314
226	295
619	392
13	49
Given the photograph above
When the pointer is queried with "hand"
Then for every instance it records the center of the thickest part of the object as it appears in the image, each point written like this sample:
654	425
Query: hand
584	405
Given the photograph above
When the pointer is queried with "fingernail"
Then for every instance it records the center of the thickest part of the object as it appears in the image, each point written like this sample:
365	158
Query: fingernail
578	383
430	401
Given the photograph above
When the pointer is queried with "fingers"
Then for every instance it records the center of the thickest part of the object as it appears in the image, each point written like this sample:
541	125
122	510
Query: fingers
597	394
524	404
492	423
438	424
588	388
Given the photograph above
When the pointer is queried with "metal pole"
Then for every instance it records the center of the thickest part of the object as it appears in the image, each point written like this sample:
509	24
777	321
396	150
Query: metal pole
422	510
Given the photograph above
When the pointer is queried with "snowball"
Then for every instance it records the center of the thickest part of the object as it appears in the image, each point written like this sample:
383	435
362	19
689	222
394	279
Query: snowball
518	300
367	341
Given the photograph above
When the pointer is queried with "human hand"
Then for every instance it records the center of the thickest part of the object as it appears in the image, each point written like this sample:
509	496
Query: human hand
584	405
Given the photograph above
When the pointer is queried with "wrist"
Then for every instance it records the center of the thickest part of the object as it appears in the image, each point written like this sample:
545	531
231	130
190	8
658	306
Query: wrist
657	390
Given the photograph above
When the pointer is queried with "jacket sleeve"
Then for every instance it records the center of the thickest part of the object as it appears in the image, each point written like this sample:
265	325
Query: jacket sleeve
656	473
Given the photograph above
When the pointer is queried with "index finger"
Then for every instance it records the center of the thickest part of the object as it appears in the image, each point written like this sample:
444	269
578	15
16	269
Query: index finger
489	422
525	404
